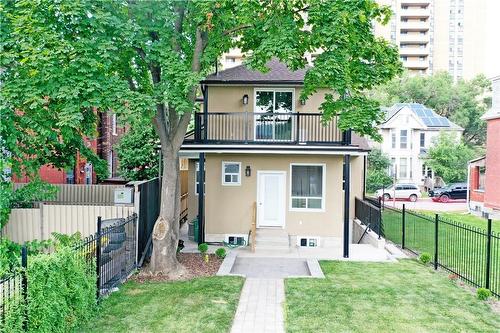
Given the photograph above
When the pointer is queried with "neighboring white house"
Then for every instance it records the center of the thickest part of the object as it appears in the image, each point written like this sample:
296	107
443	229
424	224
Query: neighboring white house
407	135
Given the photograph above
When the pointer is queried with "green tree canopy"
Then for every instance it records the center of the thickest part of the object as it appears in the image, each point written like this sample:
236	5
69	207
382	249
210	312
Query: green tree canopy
463	102
138	152
448	158
378	167
64	61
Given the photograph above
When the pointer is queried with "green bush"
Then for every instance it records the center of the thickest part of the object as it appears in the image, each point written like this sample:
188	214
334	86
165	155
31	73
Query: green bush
61	293
203	248
220	253
425	258
483	294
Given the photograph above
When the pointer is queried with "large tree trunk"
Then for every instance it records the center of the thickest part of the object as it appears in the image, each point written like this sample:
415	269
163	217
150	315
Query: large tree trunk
166	230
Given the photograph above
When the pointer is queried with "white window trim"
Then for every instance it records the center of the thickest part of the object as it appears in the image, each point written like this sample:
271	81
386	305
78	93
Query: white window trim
274	90
224	183
323	194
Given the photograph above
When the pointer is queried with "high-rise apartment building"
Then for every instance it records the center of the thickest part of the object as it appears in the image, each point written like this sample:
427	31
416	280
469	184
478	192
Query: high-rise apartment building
440	35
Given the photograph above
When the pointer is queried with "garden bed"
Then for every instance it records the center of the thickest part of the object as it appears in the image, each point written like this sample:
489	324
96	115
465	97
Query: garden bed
195	264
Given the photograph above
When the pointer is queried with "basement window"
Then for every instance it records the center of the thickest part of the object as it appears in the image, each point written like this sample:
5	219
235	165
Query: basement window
231	173
308	241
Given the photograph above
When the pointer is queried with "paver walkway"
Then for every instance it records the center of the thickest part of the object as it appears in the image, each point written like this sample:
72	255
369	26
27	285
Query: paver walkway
260	309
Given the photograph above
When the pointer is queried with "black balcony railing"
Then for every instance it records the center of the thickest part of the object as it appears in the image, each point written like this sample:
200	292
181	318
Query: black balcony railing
265	128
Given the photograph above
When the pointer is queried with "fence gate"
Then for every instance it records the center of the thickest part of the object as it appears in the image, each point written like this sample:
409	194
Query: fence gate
149	209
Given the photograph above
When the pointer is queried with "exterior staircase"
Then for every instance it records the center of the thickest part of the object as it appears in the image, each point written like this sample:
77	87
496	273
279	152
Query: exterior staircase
272	239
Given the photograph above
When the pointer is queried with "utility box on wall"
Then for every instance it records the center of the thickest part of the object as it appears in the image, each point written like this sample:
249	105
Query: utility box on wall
124	195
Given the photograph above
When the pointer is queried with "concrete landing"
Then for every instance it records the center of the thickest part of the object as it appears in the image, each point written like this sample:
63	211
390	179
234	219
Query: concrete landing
270	268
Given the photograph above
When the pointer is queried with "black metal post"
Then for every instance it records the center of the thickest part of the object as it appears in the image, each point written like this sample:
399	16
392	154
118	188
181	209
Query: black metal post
488	256
98	257
436	243
347	176
297	131
403	233
379	217
201	199
24	287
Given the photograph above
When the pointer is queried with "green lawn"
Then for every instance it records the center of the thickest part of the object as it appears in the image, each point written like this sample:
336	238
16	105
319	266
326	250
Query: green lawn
381	297
199	305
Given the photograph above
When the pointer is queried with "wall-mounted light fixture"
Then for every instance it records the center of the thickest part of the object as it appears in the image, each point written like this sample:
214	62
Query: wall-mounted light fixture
248	171
245	99
302	101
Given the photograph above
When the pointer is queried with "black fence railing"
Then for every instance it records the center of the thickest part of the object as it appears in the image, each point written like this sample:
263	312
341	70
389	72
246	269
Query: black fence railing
113	249
369	215
266	128
470	253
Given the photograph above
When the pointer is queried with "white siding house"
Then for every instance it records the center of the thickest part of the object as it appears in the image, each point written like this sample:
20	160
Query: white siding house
407	133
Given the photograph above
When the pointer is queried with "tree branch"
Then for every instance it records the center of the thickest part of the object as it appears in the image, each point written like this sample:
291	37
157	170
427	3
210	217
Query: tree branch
180	10
236	29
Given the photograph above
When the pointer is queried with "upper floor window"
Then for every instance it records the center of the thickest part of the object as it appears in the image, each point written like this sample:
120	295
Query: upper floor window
422	140
231	173
403	139
307	191
393	140
270	126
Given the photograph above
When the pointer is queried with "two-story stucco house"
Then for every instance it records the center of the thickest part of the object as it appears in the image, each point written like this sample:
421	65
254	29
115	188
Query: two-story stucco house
256	144
408	132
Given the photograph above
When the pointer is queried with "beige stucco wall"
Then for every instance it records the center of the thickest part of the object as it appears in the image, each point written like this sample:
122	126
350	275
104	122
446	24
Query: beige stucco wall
229	99
229	208
357	170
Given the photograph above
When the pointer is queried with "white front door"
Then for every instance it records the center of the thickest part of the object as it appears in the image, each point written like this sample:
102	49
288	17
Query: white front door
271	198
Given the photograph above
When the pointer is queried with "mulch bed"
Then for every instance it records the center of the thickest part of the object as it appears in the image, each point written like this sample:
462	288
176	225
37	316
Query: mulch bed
194	264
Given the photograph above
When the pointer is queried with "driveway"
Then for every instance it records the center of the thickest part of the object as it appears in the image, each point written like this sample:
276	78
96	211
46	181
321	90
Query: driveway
428	204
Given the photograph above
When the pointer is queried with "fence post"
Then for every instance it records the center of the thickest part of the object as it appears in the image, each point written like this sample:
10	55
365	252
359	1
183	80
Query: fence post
24	287
436	244
403	233
98	257
488	256
380	204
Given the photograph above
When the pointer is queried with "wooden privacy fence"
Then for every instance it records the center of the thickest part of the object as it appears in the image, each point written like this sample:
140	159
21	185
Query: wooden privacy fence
26	224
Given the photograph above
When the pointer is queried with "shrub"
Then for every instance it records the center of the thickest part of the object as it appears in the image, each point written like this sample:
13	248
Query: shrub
220	253
203	248
61	293
425	258
483	294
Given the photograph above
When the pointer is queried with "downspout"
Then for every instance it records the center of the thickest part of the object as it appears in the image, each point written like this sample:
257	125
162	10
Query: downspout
201	199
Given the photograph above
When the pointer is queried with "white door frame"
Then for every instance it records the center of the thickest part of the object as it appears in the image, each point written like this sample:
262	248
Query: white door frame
283	204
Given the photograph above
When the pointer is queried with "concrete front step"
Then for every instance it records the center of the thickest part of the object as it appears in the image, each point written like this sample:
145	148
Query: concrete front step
272	239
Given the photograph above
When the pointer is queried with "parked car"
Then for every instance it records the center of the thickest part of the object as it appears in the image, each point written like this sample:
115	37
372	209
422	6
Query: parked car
451	192
401	191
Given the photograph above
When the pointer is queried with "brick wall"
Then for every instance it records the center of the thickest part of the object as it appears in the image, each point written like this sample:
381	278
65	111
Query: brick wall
492	192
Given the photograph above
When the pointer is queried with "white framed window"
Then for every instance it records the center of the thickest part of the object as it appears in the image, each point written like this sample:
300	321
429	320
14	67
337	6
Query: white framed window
113	124
403	139
393	139
308	241
307	187
231	173
272	107
197	178
403	165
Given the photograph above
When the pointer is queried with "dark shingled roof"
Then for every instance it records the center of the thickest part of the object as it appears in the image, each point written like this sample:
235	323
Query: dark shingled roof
278	74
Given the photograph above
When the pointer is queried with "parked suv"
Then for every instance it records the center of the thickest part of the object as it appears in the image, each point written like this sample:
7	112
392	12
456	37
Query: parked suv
402	191
452	191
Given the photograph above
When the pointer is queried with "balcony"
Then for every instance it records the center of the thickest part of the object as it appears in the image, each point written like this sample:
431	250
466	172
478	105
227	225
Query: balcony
414	51
414	38
416	12
416	64
265	128
415	26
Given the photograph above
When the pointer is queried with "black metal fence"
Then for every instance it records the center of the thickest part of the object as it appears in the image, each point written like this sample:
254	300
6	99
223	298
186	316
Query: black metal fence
149	209
470	253
369	215
113	249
